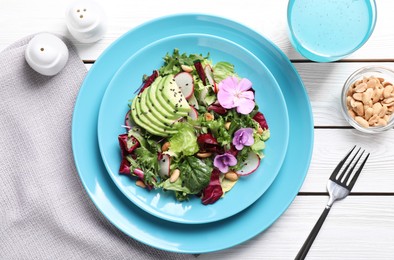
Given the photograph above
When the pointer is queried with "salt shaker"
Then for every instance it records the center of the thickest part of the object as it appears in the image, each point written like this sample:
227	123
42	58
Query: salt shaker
46	54
86	21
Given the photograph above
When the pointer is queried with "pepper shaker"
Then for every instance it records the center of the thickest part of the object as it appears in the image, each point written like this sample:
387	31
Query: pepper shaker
86	21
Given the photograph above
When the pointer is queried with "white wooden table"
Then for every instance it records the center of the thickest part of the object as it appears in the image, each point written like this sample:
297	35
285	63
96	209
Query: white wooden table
359	227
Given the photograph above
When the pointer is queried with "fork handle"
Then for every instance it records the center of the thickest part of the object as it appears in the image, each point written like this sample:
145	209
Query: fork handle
309	241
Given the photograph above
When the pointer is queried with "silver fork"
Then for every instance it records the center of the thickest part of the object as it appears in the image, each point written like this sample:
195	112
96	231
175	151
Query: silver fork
338	187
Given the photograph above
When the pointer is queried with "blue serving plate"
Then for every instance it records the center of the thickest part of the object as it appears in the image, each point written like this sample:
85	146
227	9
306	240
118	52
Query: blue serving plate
267	95
170	236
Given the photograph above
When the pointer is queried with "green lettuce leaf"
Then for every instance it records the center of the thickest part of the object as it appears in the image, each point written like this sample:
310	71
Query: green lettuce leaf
222	70
184	141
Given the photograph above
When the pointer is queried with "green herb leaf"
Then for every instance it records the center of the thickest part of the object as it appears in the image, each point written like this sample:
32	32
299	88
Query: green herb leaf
149	165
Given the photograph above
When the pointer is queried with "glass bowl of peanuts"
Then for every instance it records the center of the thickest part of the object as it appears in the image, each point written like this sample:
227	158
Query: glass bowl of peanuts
368	99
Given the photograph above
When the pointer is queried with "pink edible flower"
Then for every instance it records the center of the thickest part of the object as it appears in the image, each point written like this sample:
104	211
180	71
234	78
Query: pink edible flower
223	161
243	137
234	93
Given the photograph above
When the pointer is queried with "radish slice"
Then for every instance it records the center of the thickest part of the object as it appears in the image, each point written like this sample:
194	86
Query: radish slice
209	73
184	80
127	121
193	113
193	102
251	163
164	165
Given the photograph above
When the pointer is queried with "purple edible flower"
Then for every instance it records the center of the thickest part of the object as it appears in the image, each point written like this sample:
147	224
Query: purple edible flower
235	93
223	161
243	137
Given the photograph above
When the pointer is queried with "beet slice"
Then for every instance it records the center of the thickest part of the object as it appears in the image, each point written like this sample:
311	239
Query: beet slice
213	191
217	108
149	81
260	118
200	72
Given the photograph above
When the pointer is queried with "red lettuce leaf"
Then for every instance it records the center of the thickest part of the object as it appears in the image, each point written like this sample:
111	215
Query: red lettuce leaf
259	117
233	151
208	143
213	191
123	138
124	166
149	81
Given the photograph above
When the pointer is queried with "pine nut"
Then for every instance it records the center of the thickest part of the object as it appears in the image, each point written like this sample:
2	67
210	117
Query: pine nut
140	183
203	155
231	176
174	175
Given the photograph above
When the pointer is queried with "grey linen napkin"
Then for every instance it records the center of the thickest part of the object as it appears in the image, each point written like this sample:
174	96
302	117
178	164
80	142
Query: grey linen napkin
44	211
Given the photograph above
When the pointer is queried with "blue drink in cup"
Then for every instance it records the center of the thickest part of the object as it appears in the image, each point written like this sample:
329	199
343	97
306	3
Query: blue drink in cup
329	30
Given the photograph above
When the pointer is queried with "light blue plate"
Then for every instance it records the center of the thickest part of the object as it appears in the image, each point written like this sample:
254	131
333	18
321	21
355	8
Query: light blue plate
172	236
268	96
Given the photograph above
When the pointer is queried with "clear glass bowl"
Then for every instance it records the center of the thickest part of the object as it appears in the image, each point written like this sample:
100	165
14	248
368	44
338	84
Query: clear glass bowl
367	72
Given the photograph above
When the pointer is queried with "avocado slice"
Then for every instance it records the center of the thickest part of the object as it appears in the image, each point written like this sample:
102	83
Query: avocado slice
150	121
163	99
156	108
138	121
149	116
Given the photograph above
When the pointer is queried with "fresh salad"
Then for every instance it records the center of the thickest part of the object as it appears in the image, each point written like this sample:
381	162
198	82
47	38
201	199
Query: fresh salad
193	128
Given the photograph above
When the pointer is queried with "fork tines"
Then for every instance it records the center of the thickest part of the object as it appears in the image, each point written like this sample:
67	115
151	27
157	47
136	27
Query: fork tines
343	178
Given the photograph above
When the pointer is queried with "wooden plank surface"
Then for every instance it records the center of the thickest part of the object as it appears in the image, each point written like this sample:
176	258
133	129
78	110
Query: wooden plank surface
266	17
359	227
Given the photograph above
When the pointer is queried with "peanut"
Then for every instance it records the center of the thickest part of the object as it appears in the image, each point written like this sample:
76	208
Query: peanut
351	113
165	147
361	121
227	125
370	101
358	96
360	88
359	109
209	117
387	91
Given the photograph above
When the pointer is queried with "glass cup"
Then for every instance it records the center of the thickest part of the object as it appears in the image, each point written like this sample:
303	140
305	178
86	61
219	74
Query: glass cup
329	30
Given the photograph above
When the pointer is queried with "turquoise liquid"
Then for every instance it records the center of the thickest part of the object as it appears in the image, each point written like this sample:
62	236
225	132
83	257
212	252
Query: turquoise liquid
328	30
